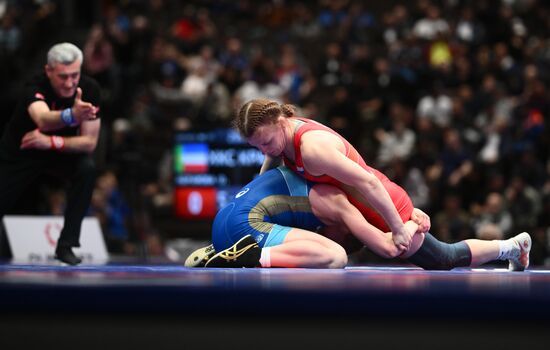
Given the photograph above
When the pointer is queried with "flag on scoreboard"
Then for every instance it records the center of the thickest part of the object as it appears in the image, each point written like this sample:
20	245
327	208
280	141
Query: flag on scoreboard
191	158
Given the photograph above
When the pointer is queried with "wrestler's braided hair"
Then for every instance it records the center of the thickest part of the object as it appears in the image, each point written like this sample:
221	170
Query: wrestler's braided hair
258	112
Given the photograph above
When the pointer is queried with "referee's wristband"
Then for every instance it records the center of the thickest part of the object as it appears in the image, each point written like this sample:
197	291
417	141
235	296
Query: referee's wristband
57	142
67	116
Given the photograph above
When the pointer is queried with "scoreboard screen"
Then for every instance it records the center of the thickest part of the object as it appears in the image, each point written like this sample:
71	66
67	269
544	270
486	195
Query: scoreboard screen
210	167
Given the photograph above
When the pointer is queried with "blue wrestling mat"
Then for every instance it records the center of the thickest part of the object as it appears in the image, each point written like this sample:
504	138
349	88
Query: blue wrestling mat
170	298
357	291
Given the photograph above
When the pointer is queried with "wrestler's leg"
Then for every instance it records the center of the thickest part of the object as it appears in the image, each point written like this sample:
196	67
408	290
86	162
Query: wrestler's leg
302	248
516	250
331	206
436	255
272	246
482	251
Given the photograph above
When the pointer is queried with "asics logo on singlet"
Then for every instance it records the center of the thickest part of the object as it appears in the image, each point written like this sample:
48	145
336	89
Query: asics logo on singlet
242	193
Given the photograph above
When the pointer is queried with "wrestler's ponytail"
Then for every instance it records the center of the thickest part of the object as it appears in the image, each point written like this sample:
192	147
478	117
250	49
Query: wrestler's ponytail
288	110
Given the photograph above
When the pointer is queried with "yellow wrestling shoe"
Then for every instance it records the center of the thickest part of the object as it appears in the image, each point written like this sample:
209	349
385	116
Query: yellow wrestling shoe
245	253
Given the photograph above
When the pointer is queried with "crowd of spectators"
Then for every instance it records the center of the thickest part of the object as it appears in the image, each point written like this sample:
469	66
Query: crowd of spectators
449	98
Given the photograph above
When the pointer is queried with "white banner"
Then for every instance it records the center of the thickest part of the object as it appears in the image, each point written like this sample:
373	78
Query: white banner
33	238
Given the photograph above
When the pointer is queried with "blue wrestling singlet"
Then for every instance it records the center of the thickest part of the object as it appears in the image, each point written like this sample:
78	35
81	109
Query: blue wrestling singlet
266	208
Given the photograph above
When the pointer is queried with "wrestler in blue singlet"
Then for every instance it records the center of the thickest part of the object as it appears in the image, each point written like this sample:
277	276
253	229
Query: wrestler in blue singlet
267	208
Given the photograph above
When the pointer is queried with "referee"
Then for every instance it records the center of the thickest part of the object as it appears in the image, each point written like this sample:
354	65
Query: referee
54	130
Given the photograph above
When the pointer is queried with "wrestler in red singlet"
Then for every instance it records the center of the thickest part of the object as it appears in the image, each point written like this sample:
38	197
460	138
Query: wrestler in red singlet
399	197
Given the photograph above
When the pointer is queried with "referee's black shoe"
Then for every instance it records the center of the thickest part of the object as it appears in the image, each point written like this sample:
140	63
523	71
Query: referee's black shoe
245	253
65	254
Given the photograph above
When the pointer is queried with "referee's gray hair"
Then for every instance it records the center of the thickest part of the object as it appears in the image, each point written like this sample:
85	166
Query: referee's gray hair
65	53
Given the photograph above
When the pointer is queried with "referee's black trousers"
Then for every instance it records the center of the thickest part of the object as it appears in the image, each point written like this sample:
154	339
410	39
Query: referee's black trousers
18	173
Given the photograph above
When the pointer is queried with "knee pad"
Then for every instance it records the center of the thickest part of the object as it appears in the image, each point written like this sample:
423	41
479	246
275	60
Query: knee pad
437	255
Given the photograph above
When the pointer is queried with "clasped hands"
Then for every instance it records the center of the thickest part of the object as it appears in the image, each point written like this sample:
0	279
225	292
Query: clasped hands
420	223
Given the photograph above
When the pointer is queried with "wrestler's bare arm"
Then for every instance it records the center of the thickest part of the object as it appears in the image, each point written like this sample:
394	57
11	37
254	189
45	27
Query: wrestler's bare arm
270	163
323	153
332	207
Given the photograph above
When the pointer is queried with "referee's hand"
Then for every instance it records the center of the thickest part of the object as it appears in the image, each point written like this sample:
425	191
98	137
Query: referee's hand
35	139
83	111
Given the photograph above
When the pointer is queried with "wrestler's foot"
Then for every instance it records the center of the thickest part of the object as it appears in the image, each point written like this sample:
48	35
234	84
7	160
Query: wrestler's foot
519	258
200	256
66	255
244	253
